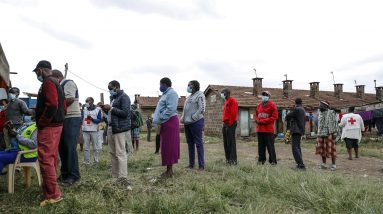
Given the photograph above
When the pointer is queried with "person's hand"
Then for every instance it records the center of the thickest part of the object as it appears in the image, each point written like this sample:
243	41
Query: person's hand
106	107
89	117
256	121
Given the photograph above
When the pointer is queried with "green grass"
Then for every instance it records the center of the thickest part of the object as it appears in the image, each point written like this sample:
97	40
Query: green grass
246	188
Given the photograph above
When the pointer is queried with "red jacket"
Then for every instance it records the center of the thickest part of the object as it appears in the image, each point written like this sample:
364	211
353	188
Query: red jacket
230	111
266	115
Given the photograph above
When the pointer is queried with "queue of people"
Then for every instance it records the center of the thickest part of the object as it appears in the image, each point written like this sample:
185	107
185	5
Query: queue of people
60	121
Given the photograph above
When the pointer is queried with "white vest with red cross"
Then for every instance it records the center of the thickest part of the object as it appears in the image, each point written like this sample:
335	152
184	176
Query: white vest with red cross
352	126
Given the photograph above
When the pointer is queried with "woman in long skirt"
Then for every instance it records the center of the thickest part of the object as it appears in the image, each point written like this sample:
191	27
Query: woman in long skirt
166	116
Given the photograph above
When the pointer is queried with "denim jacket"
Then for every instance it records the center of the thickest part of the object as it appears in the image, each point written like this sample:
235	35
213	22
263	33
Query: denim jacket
166	106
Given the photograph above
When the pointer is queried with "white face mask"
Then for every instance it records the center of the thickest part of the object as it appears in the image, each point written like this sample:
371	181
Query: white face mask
12	96
87	105
223	96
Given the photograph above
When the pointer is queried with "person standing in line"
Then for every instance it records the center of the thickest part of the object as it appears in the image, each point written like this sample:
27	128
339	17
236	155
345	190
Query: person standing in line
101	125
50	115
70	172
296	119
166	116
265	116
193	119
118	131
327	130
91	119
229	120
149	126
352	127
136	126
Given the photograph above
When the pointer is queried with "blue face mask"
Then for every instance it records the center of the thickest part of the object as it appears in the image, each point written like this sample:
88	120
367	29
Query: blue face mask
163	88
12	96
189	90
113	92
265	99
40	78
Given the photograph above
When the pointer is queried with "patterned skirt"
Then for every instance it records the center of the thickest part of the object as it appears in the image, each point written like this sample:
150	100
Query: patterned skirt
326	147
136	134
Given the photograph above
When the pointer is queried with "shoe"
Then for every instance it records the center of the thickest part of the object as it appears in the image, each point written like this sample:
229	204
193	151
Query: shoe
50	201
333	167
122	182
260	163
201	169
356	156
323	166
350	158
189	167
68	182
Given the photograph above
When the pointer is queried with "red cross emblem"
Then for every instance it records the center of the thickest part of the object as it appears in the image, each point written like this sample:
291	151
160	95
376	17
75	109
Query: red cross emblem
352	121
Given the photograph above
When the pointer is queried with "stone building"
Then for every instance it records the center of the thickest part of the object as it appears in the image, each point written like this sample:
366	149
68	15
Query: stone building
5	82
147	106
249	97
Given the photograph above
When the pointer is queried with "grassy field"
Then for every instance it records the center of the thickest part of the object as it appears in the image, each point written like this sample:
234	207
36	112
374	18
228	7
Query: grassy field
246	188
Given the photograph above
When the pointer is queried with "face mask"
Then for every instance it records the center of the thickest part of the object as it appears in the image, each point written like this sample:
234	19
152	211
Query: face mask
189	90
163	88
112	92
1	108
265	98
12	96
223	96
40	78
87	105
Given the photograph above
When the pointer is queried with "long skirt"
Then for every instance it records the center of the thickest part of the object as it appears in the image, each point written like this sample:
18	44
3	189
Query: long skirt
170	141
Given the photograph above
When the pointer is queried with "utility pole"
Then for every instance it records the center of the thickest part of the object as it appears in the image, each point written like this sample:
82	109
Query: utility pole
102	97
66	70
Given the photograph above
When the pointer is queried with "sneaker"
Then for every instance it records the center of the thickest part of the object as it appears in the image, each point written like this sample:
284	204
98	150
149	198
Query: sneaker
333	167
50	201
323	166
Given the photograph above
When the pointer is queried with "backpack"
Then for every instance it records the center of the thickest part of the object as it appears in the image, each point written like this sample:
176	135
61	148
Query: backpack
136	120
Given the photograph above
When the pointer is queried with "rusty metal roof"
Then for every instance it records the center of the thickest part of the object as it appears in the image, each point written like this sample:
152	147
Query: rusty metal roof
245	98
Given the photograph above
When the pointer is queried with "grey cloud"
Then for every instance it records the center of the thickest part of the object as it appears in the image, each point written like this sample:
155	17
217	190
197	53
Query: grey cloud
22	3
199	7
57	34
371	59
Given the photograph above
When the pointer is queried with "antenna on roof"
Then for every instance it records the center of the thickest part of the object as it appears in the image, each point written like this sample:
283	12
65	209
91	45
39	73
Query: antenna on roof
285	76
355	82
333	78
255	70
375	83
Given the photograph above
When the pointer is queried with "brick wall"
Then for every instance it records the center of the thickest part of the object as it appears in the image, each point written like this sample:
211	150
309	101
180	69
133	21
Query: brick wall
213	115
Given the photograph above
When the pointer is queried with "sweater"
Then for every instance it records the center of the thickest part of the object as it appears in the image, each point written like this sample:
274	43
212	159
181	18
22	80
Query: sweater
194	108
266	114
230	111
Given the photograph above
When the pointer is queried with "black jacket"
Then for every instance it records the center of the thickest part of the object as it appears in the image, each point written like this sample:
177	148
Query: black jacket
296	119
120	120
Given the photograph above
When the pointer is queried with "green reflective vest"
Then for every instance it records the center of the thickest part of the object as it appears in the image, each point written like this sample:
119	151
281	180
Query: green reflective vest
27	133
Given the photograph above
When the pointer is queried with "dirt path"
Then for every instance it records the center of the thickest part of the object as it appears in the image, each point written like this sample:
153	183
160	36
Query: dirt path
363	166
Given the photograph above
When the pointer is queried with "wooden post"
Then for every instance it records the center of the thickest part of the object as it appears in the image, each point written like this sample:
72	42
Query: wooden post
102	97
66	70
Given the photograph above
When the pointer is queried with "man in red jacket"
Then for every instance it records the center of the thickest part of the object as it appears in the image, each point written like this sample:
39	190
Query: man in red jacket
50	114
265	116
229	119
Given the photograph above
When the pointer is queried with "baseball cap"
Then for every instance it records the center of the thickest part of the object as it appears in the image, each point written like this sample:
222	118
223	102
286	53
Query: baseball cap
43	64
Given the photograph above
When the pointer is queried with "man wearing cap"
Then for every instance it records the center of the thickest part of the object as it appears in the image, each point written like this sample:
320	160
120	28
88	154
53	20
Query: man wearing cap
16	109
296	121
50	114
266	114
70	172
327	130
229	119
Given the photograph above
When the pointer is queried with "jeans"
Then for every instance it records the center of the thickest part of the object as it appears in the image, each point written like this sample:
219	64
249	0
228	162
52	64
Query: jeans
193	134
67	148
296	148
229	143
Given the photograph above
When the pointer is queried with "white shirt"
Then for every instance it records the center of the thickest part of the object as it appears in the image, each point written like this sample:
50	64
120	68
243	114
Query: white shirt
352	126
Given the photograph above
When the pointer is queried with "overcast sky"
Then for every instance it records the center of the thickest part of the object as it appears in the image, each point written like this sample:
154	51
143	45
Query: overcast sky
212	41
